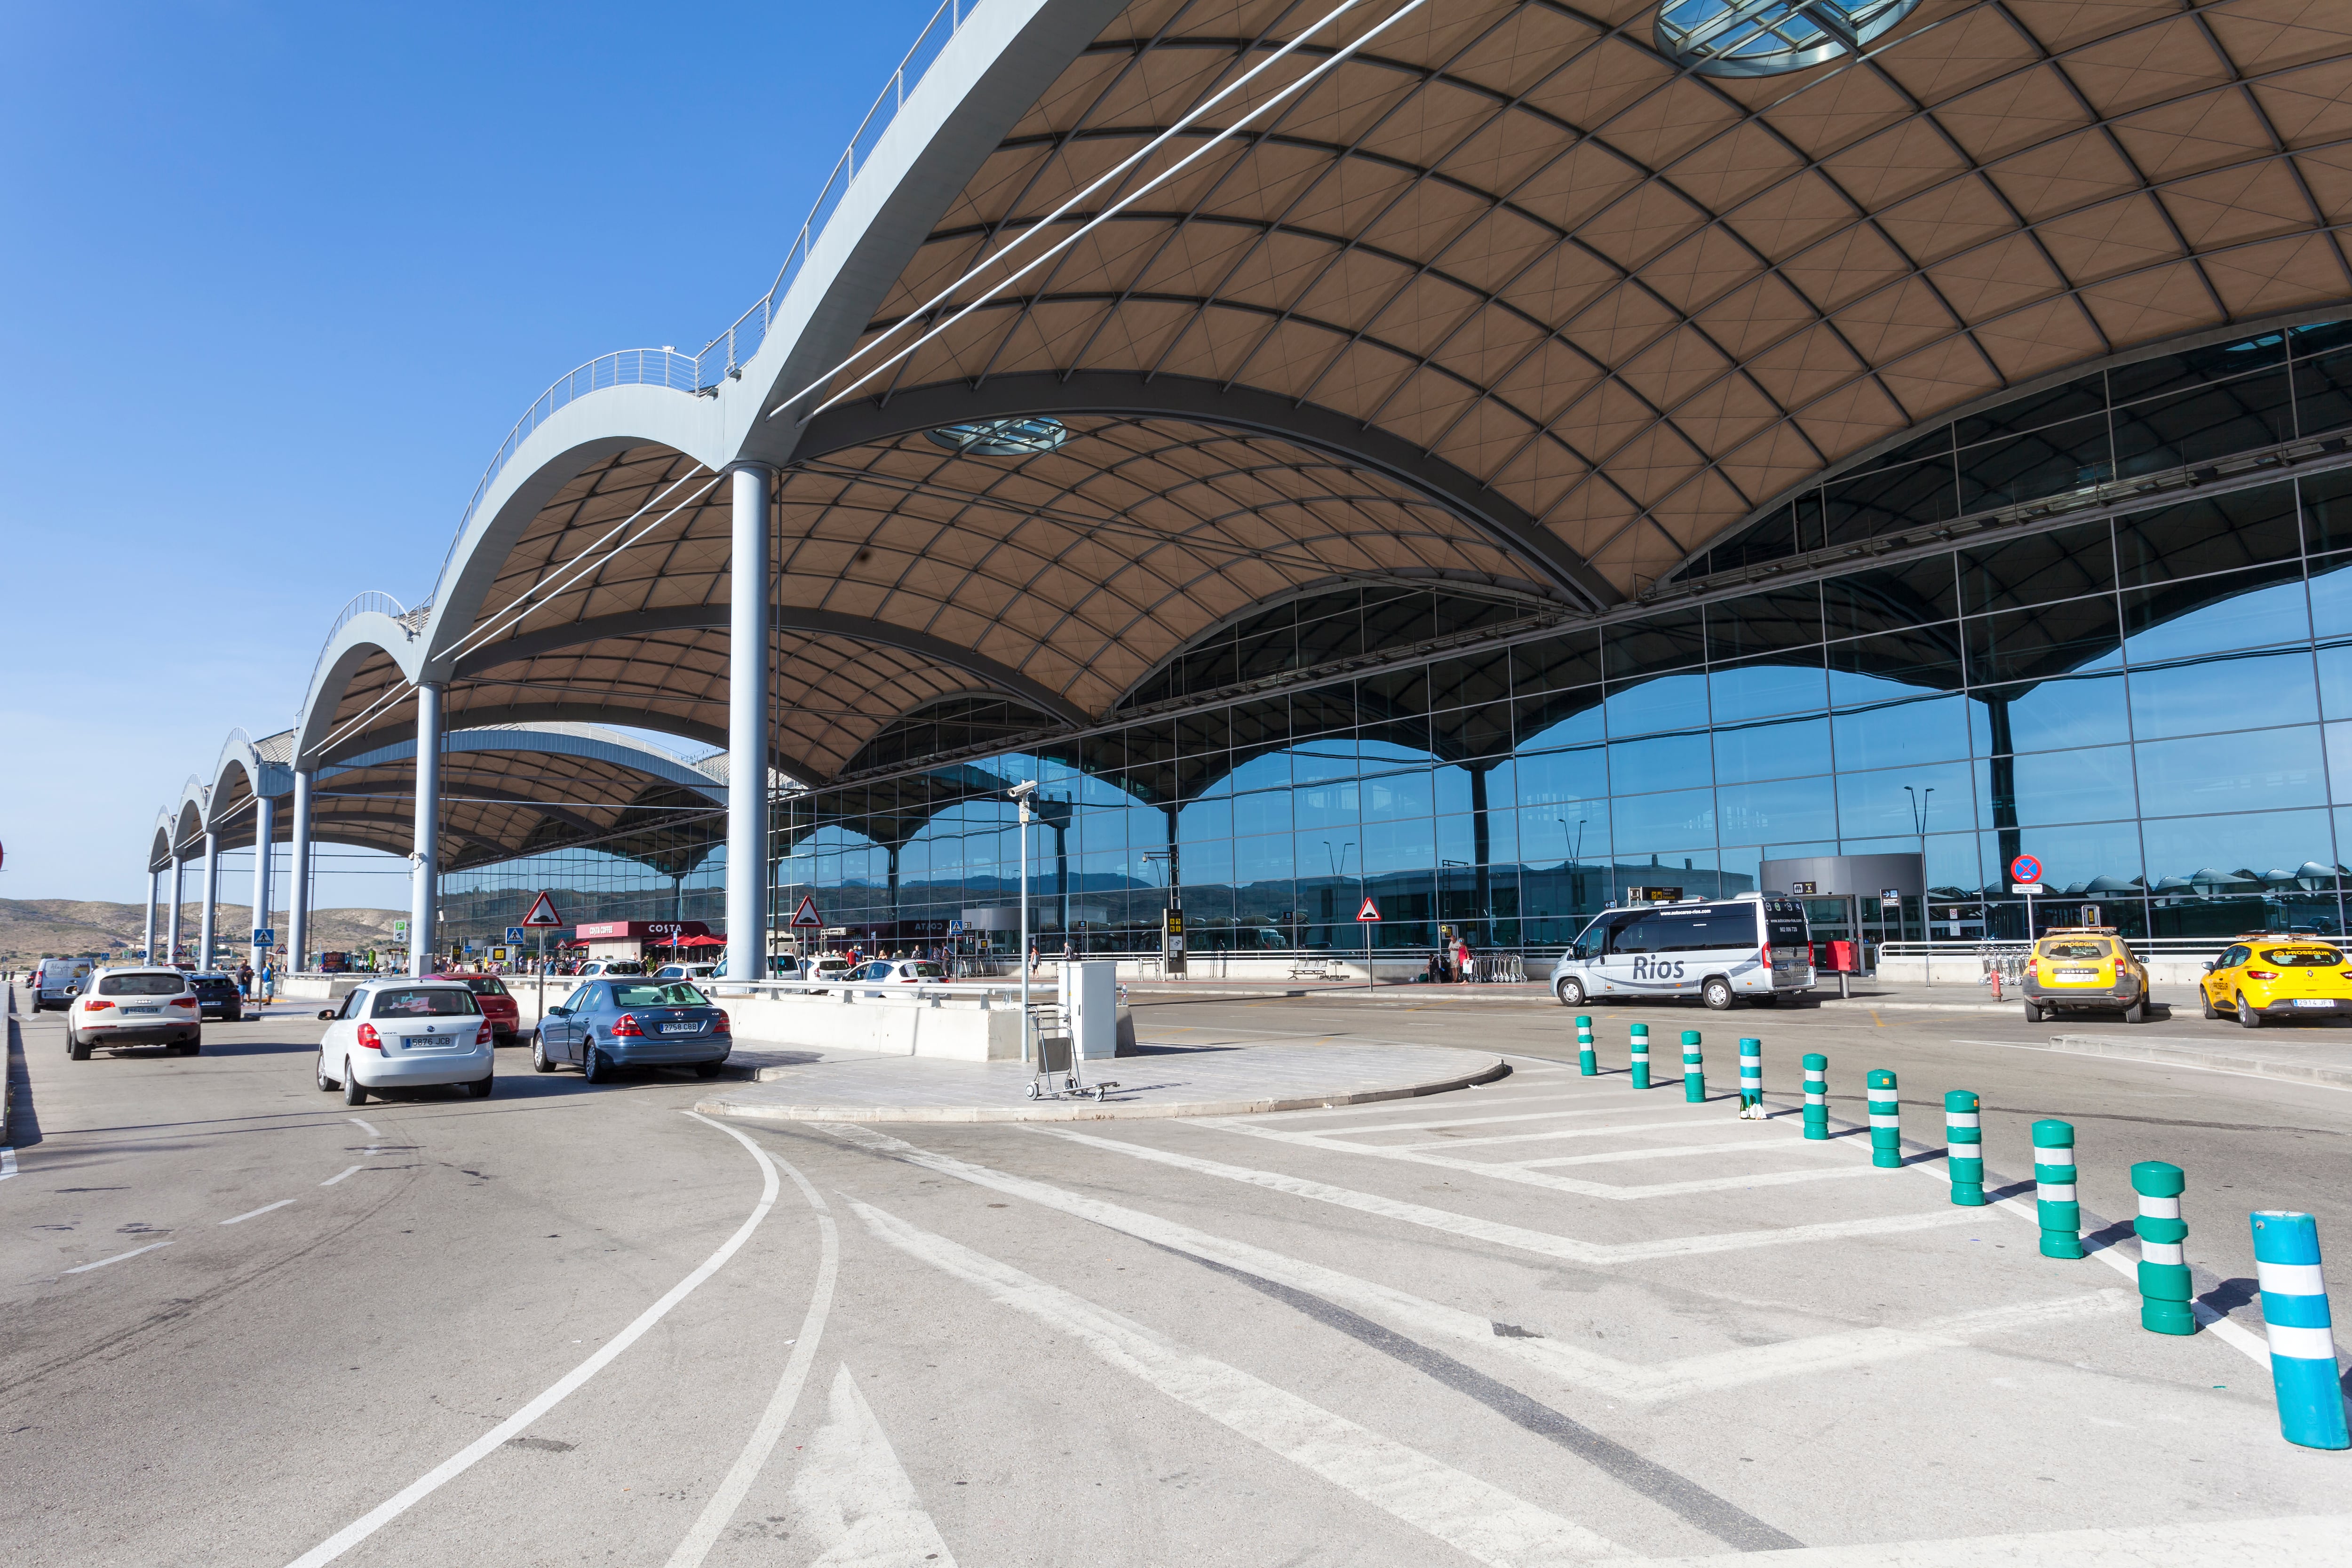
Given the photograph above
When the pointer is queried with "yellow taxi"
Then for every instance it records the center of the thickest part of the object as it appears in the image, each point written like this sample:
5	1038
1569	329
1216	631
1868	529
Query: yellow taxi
2084	969
2263	976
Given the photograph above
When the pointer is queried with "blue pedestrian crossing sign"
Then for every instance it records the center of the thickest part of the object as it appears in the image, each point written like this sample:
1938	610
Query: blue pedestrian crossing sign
514	933
263	936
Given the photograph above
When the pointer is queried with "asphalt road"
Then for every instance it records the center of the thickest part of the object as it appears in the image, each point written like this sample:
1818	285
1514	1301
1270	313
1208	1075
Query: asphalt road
1546	1321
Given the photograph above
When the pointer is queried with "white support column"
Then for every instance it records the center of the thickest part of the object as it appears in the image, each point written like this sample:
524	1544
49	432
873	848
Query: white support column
172	936
155	893
211	897
296	951
265	851
747	728
424	860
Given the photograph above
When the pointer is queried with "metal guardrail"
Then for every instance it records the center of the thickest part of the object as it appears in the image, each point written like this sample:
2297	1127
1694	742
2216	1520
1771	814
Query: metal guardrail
987	993
375	601
722	357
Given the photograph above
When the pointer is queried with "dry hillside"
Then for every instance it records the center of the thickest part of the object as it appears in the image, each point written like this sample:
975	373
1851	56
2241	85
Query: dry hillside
30	928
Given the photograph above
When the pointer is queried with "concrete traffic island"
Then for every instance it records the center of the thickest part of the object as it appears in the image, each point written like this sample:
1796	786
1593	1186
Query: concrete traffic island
1156	1081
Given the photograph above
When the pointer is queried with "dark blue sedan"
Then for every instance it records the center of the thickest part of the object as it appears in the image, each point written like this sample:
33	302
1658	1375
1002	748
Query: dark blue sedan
625	1022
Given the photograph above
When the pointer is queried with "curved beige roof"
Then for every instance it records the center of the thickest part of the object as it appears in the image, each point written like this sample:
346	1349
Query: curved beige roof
1505	298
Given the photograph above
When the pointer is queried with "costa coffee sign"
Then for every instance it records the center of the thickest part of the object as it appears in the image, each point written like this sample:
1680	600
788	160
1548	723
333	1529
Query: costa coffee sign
655	931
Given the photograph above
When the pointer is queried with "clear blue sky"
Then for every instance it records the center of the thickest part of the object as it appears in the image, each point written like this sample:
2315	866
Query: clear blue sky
277	280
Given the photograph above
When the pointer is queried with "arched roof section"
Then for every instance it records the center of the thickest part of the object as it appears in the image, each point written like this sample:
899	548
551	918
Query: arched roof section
159	848
371	656
188	817
1630	300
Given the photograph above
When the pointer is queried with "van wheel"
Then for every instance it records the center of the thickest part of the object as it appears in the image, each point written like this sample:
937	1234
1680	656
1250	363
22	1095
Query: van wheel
1570	992
2247	1018
1717	993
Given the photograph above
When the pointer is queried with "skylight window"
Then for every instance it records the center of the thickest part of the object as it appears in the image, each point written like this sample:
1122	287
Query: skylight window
1019	437
1759	37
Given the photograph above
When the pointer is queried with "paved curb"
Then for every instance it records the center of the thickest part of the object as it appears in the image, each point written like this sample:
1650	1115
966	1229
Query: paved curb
2217	1061
1089	1110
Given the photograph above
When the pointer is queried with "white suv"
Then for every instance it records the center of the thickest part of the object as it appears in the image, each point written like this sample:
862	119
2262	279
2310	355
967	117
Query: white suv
406	1034
133	1007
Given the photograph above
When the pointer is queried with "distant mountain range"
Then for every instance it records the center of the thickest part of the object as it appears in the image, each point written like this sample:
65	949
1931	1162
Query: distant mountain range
32	928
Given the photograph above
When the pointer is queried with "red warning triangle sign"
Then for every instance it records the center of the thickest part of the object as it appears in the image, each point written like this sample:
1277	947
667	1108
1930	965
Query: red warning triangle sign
542	913
806	914
1371	912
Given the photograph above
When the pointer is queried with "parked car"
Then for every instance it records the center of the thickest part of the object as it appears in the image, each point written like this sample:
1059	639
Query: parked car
2258	978
398	1033
219	997
899	972
2084	969
596	966
609	1023
825	966
117	1007
498	1004
54	981
685	972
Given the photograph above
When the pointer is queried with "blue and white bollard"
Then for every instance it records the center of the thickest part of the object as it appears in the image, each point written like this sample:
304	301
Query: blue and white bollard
2060	1216
1885	1121
2303	1340
1587	1065
1964	1148
1751	1080
1817	1096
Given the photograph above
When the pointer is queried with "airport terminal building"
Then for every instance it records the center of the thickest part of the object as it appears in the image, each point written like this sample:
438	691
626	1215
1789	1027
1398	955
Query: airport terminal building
1483	458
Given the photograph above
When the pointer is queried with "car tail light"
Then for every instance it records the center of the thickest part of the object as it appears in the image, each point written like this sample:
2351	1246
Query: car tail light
482	1035
368	1038
1767	955
95	1002
721	1026
626	1024
184	1002
2262	974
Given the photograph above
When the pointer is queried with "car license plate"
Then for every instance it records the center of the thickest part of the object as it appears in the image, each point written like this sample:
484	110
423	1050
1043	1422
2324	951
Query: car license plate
156	1009
428	1042
2078	974
2314	1002
681	1028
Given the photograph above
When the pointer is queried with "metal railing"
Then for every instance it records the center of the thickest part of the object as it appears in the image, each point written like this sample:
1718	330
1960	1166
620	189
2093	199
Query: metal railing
380	603
702	372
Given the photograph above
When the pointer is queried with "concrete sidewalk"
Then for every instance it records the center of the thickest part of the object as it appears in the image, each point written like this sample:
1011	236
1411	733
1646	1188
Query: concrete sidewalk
1231	1079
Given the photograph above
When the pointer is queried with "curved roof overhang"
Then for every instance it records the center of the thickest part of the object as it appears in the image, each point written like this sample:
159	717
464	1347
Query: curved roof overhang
364	667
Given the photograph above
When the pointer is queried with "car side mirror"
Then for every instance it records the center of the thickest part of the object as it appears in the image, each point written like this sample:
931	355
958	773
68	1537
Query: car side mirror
559	1012
2209	966
326	1013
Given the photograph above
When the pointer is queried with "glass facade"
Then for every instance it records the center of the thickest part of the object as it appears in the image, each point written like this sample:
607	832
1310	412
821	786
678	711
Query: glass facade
2157	705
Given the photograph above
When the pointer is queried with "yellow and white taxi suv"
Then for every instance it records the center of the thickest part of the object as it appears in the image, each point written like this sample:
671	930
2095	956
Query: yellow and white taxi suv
133	1007
2084	969
2260	977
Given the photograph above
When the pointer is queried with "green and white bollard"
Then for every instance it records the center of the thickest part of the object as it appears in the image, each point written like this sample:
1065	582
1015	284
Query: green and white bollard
2164	1287
1693	1069
1964	1147
1817	1096
1640	1046
1751	1080
2053	1182
2301	1332
1885	1121
1587	1065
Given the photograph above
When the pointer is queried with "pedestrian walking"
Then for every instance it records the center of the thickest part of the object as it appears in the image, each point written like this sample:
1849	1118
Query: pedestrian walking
245	980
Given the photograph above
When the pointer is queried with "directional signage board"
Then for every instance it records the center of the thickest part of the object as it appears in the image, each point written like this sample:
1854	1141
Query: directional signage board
400	931
806	914
542	912
1371	912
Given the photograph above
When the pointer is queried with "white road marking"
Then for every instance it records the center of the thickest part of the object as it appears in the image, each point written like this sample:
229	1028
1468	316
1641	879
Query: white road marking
254	1214
8	1163
1416	1154
1391	1107
1473	1516
853	1498
1619	1156
365	1126
1542	1242
778	1415
514	1425
1491	1120
1571	1364
117	1257
2146	1062
2242	1544
1681	1125
339	1175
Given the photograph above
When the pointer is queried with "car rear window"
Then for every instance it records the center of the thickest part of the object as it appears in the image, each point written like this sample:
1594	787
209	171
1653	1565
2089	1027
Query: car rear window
213	986
423	1001
2079	949
675	993
929	972
2303	957
486	985
140	985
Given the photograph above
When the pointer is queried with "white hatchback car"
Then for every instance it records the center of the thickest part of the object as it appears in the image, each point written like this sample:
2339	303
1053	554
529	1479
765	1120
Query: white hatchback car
133	1007
398	1033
